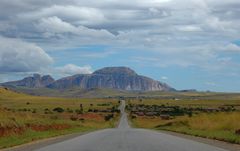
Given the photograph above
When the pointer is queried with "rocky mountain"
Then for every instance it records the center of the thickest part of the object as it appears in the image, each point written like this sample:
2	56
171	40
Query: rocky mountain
36	81
120	78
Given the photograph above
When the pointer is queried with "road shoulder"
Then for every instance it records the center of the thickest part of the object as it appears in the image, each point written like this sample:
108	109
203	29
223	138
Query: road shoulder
220	144
43	142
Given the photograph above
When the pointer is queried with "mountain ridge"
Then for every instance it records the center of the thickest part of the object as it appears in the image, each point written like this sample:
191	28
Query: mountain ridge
120	78
36	81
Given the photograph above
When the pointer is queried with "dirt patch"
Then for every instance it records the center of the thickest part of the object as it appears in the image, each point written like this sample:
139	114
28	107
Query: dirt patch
92	116
6	131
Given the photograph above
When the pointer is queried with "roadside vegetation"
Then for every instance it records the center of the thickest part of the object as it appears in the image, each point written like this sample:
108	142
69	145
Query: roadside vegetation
215	119
25	118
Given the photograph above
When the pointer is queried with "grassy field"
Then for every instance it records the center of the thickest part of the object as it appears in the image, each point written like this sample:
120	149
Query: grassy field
71	92
210	118
105	93
25	118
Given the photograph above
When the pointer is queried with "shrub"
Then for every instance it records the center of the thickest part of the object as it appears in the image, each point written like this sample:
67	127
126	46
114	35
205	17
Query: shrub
133	116
79	111
69	110
104	104
237	132
74	118
47	111
108	117
58	109
34	111
81	119
189	113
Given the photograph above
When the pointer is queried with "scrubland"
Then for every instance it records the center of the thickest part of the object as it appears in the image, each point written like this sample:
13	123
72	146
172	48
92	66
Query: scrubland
25	118
215	119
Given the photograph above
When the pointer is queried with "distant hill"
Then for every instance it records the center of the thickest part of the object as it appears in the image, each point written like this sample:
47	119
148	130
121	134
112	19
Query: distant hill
119	78
36	81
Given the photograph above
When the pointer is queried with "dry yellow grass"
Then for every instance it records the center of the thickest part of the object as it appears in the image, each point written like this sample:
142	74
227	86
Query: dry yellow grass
13	100
221	126
21	115
214	121
217	125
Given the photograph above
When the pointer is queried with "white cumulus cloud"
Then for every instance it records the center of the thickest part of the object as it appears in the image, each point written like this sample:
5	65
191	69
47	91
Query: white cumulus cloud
19	56
71	69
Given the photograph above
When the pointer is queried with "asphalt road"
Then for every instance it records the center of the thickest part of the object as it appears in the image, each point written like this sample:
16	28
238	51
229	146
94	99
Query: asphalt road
125	138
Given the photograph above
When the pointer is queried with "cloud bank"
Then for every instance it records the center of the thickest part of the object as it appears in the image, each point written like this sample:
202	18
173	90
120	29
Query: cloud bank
163	33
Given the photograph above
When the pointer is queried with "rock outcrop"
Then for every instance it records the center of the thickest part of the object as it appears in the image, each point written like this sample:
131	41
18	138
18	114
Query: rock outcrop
121	78
36	81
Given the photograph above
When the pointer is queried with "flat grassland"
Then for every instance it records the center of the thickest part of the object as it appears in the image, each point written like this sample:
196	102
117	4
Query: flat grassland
25	118
210	116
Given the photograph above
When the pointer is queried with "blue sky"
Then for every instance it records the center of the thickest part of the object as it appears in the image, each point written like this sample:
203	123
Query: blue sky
189	44
177	76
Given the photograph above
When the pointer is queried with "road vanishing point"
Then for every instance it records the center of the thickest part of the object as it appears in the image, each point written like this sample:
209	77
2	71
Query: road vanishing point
125	138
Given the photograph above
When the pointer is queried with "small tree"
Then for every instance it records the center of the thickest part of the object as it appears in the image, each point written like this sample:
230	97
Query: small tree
189	113
81	108
58	109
